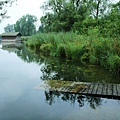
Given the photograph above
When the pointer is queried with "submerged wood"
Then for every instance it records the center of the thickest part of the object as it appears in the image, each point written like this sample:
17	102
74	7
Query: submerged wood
96	89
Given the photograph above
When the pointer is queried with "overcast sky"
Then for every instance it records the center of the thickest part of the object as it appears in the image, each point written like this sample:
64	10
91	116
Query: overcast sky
20	8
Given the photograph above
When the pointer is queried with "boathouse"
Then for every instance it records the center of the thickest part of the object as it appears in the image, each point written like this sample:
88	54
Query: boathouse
10	36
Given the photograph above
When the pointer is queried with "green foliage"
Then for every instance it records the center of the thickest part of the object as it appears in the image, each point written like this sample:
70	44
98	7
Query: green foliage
73	46
61	50
82	16
46	48
9	28
113	63
26	25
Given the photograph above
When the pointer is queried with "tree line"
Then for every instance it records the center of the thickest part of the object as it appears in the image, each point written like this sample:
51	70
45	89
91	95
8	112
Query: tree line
81	16
26	25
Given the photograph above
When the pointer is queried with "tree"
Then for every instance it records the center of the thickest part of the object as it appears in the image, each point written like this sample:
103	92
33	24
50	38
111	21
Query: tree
26	25
60	14
112	21
9	28
82	16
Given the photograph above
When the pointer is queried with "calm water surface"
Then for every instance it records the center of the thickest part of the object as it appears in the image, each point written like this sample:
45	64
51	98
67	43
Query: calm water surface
21	71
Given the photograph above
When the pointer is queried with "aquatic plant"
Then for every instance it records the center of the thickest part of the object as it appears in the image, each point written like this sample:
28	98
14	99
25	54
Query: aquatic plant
90	48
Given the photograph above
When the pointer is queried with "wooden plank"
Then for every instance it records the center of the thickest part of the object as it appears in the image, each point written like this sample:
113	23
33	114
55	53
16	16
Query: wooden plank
100	89
80	86
68	83
68	88
61	89
110	90
72	86
115	90
95	88
104	90
90	90
85	90
65	89
73	89
118	90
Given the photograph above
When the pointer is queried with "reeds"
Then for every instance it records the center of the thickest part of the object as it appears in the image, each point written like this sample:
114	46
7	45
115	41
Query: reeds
90	48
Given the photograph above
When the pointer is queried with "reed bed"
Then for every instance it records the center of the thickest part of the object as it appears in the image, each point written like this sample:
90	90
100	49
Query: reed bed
91	48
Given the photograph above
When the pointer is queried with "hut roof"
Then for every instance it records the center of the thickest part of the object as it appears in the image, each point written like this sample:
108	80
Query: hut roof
11	34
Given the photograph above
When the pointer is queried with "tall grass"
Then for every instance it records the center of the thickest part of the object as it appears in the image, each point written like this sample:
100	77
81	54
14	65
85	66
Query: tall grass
90	48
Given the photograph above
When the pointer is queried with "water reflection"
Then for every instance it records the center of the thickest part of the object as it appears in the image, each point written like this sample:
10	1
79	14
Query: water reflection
63	71
93	102
11	46
59	69
20	101
29	56
0	45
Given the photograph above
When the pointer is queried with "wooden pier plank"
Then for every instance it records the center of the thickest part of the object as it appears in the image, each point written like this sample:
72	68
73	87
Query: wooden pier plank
85	90
110	90
115	93
118	90
68	88
100	89
61	89
105	89
96	85
75	88
90	90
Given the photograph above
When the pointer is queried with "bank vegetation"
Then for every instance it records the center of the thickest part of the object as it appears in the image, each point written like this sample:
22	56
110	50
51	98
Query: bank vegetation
88	31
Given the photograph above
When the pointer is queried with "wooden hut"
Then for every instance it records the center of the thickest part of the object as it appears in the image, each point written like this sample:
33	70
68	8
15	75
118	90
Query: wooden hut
11	36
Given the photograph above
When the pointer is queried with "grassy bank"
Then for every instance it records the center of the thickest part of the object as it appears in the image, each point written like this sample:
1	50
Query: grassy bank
89	48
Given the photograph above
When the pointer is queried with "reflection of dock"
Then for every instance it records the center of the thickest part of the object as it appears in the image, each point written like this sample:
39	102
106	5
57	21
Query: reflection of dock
96	89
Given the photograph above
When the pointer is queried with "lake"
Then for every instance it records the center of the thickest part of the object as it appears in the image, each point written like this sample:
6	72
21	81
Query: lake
21	70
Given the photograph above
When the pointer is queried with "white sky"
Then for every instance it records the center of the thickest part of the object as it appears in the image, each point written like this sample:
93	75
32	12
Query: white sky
20	8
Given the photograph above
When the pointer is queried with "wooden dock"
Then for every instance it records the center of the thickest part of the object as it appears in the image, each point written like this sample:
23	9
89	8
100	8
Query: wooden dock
95	89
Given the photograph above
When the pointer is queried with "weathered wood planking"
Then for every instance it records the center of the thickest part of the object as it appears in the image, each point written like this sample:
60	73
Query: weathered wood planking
99	89
118	90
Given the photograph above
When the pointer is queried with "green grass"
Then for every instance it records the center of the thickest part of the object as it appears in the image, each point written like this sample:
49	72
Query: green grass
90	48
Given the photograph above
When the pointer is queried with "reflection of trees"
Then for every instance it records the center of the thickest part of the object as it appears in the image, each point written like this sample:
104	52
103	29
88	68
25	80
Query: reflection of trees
53	69
93	102
28	56
56	69
62	71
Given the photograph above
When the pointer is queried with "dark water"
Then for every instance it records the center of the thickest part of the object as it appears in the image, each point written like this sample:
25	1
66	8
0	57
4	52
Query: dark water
21	71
